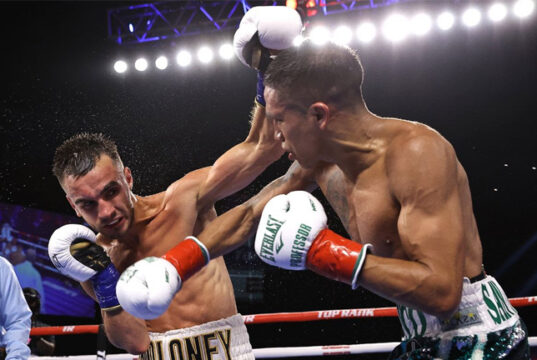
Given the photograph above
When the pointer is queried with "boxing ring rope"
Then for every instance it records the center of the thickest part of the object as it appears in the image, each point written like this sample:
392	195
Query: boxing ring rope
279	352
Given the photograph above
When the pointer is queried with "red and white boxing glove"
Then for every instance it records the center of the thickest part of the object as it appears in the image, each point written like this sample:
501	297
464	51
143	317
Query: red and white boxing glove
292	234
146	288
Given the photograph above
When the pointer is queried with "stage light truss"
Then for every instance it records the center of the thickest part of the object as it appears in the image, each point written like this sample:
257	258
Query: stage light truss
156	21
393	27
147	22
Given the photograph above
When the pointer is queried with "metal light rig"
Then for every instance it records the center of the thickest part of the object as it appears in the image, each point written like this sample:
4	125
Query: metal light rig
140	23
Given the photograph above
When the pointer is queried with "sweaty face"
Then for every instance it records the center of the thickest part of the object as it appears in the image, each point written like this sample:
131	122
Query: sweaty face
102	197
294	127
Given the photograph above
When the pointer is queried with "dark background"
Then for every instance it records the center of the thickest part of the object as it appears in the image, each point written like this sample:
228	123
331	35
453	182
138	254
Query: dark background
476	86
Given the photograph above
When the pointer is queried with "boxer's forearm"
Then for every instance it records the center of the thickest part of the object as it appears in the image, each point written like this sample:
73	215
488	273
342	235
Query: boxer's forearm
229	231
241	164
233	228
122	329
125	331
411	283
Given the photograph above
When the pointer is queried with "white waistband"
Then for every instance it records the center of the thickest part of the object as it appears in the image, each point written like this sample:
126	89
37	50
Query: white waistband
218	340
484	308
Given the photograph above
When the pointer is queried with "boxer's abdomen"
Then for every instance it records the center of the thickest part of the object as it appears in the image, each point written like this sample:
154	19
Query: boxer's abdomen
206	296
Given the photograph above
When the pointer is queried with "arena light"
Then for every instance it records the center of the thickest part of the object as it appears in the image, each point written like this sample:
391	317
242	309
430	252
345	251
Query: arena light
226	51
471	17
131	28
342	35
320	35
140	64
366	32
445	20
120	66
298	40
183	58
421	24
205	55
523	8
395	28
497	12
161	62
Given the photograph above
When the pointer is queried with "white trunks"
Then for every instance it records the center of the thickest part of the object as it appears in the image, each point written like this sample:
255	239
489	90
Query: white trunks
485	326
484	307
225	339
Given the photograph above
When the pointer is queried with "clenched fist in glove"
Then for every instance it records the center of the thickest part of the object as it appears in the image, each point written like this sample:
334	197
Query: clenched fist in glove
73	251
263	31
293	235
147	287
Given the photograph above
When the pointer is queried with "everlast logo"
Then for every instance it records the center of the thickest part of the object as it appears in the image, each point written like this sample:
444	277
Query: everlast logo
213	345
56	262
267	246
498	306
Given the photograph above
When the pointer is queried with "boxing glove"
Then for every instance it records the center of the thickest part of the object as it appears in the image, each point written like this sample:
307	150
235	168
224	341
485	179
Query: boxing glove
265	28
293	235
146	288
73	251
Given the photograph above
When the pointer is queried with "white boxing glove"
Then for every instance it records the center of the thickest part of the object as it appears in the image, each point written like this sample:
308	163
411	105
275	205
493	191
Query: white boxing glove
288	226
276	28
59	251
292	234
73	250
146	288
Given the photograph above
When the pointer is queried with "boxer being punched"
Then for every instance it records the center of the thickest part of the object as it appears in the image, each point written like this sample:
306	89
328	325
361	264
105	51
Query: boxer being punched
202	318
402	196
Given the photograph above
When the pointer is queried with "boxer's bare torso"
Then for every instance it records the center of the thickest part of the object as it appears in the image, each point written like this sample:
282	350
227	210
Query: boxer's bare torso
161	221
367	205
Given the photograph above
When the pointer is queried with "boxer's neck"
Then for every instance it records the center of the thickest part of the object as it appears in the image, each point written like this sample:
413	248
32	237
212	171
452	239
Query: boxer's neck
353	141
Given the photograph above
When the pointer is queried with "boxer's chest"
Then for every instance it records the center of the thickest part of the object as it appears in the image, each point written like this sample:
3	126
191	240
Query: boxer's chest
365	207
155	238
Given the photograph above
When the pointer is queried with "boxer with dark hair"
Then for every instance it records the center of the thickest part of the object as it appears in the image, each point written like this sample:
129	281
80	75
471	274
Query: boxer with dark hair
202	319
401	194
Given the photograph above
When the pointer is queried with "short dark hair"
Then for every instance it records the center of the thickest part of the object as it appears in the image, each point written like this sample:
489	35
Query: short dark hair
329	73
78	155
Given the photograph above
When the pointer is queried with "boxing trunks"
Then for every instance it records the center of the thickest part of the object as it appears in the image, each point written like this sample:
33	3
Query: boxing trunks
225	339
484	326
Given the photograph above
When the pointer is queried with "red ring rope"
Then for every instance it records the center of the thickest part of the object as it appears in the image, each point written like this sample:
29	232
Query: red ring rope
276	317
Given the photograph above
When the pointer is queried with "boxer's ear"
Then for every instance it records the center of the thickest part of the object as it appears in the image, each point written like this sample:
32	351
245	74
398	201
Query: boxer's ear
128	176
321	113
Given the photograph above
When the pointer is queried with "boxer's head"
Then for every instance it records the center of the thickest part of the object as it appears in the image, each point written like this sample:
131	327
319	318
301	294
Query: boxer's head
305	87
96	183
310	73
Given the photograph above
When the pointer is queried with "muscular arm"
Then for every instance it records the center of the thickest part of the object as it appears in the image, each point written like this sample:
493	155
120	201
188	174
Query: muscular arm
423	178
122	329
241	164
231	229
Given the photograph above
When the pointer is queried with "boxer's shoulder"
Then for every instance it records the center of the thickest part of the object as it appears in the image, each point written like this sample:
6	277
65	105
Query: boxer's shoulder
419	157
413	141
189	184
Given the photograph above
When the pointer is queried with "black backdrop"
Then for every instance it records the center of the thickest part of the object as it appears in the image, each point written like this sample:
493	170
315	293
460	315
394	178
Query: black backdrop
477	87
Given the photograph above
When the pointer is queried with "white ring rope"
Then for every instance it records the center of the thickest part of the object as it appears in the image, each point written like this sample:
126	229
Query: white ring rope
279	352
